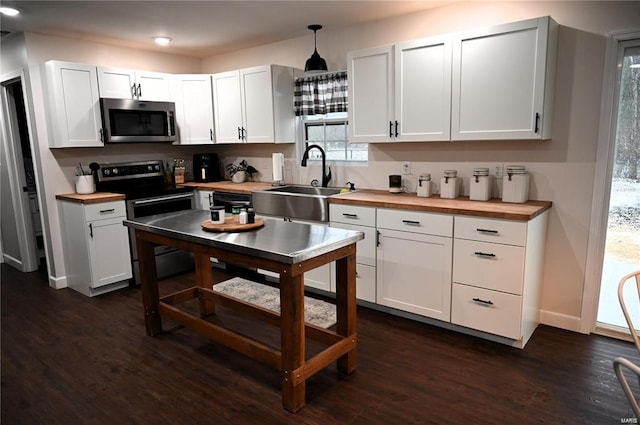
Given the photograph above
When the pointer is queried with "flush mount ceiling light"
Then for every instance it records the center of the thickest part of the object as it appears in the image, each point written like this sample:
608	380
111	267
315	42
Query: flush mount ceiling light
315	62
9	11
162	41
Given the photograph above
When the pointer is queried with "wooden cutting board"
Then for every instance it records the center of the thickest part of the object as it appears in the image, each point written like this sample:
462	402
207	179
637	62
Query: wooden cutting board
231	224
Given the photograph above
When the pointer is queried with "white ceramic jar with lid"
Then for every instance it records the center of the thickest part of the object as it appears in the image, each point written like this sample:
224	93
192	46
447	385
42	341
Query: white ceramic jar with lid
449	184
424	185
480	185
515	184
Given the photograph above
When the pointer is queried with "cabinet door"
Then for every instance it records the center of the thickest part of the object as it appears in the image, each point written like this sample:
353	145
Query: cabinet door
153	86
227	107
117	83
108	251
499	82
194	109
423	90
257	104
74	105
414	273
366	248
370	74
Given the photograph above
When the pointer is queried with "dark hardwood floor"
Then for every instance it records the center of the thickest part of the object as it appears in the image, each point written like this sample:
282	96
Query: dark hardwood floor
69	359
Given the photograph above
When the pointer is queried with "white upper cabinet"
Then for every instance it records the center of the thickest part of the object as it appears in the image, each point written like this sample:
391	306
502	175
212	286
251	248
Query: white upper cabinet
254	105
194	108
422	90
119	83
503	81
401	92
370	75
74	105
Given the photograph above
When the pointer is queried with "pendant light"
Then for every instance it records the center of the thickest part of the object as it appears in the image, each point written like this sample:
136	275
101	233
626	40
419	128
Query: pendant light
315	63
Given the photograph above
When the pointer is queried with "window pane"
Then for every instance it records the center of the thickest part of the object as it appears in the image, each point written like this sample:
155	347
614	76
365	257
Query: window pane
336	132
315	132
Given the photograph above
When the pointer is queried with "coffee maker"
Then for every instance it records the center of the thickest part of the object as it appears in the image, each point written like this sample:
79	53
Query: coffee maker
206	167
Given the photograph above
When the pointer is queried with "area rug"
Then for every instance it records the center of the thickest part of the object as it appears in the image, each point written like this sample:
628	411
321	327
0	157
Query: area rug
316	312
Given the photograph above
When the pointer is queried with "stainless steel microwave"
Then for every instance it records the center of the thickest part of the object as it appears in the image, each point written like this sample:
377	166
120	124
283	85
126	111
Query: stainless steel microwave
137	121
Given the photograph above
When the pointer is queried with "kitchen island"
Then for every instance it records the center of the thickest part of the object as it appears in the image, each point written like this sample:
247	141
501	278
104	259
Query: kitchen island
289	249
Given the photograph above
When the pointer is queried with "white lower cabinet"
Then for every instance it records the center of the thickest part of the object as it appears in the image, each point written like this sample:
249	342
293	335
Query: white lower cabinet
497	273
96	246
414	266
362	219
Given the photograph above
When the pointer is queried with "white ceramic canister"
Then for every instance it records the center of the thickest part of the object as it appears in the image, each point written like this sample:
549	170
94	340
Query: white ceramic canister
449	184
515	184
480	185
85	184
424	185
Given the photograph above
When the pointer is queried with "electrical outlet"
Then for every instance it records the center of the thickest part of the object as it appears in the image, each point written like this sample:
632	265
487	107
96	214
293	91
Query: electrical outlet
406	167
499	171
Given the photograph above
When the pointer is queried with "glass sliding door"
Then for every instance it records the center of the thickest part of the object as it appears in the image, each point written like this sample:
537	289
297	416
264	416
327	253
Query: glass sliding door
622	248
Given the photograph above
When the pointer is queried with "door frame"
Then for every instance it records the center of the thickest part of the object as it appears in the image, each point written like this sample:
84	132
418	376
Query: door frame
602	182
15	170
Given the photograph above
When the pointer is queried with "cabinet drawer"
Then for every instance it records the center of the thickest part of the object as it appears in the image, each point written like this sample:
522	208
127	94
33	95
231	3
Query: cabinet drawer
350	214
366	283
491	230
488	265
488	311
415	222
104	210
365	248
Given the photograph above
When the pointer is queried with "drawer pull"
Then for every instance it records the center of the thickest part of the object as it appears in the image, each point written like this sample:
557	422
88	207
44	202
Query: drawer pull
487	231
484	254
110	210
411	222
484	302
350	215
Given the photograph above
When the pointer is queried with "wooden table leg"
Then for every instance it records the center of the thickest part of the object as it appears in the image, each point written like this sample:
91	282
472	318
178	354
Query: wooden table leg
149	285
346	307
204	279
292	339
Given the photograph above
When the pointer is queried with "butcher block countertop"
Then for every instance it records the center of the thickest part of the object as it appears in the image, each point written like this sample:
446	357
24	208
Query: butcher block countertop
229	186
493	208
91	198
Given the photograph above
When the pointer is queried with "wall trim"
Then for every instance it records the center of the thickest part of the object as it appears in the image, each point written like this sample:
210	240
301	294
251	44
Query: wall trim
11	261
58	282
562	321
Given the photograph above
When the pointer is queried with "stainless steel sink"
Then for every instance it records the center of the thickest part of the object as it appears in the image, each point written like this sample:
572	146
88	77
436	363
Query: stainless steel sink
296	202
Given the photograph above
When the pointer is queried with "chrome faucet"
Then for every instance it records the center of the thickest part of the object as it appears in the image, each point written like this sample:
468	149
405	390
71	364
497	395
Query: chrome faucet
326	178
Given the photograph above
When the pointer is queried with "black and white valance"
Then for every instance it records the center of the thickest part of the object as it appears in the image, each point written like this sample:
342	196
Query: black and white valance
321	94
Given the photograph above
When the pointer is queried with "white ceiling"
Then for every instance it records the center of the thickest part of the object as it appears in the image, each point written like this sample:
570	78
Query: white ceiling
198	28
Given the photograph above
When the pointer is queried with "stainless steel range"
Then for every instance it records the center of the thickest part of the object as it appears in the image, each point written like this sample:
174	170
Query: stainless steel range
146	193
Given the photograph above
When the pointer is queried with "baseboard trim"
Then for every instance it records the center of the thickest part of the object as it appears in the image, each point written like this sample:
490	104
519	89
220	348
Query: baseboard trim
58	282
11	261
562	321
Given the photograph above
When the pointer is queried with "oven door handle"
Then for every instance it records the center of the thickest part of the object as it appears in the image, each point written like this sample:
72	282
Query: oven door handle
165	198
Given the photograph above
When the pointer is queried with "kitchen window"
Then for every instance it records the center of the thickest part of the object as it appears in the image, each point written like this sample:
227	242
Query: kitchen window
321	104
330	132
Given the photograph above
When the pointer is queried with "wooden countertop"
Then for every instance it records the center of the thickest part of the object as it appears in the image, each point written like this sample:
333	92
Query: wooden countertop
91	198
493	208
229	186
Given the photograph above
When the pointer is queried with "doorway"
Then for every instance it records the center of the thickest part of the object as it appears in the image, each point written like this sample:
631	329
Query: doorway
622	242
22	238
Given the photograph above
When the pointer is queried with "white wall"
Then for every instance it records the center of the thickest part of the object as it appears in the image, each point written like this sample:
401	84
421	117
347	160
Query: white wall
562	168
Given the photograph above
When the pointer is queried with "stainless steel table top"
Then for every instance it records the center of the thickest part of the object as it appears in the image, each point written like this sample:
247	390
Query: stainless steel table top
278	240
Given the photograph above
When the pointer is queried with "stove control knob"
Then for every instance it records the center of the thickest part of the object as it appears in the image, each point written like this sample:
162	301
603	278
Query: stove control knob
115	171
106	171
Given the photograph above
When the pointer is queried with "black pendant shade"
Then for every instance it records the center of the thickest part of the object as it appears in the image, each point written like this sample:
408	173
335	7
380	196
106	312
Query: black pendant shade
315	62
